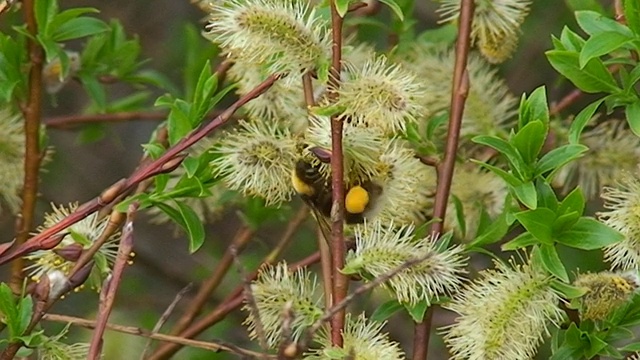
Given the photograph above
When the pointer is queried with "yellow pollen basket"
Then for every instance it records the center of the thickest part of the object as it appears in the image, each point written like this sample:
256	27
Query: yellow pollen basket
356	200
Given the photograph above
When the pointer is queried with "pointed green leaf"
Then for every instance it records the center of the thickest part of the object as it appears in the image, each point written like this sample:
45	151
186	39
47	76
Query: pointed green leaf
526	194
386	310
417	311
569	291
516	161
79	27
193	226
521	241
342	6
632	15
529	140
546	195
534	108
548	256
593	77
602	44
632	113
574	201
507	177
589	234
557	157
539	223
496	230
594	23
582	120
395	8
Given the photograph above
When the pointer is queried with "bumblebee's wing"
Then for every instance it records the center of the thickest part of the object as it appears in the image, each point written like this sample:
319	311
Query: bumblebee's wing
323	224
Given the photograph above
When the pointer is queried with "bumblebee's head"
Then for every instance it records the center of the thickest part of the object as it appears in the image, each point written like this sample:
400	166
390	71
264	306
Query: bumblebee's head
302	180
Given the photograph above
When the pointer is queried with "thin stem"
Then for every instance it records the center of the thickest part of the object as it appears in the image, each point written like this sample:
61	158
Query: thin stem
207	345
165	316
338	247
32	117
459	92
108	294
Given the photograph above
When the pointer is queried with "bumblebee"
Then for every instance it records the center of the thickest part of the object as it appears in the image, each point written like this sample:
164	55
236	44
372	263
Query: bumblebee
315	190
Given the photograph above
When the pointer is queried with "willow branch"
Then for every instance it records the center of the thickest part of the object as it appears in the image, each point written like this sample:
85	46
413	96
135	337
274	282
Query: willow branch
108	294
459	90
338	247
32	116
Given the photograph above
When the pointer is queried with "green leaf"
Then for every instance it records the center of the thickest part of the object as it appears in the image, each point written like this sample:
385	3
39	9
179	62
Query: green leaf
395	8
633	347
96	91
178	121
632	15
459	214
526	194
521	241
25	312
193	226
546	195
529	140
557	157
66	15
417	311
582	120
79	27
496	230
516	161
386	310
45	11
342	6
534	108
589	234
593	77
571	41
539	223
9	310
632	113
190	165
574	201
569	291
507	177
601	44
595	345
565	221
548	256
594	23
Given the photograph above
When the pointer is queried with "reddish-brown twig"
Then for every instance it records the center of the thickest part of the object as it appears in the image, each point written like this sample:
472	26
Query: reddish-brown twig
338	248
460	88
108	293
32	111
